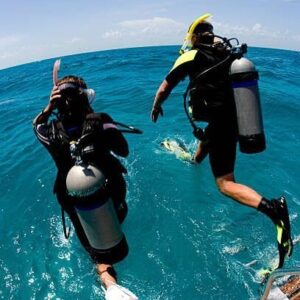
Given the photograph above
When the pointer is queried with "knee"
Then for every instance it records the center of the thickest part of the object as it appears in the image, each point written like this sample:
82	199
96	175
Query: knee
225	184
223	188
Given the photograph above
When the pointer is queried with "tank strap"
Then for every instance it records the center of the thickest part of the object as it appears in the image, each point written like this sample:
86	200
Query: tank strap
66	232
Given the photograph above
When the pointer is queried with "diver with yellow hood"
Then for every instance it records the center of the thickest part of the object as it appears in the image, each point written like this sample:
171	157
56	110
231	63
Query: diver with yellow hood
223	92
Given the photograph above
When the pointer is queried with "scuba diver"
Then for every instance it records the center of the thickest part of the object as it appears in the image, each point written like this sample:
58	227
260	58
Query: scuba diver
220	81
89	185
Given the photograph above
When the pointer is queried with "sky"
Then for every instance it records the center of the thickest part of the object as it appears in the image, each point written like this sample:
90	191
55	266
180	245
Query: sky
34	30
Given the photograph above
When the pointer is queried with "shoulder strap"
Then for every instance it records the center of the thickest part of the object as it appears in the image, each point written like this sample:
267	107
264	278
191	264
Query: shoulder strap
58	133
94	122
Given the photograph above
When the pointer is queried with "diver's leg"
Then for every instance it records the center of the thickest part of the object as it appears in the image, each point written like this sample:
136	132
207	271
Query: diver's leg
238	192
202	149
201	152
118	195
106	271
222	155
107	274
275	209
222	136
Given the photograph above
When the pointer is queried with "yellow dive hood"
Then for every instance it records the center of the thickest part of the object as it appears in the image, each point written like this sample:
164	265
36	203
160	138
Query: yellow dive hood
187	43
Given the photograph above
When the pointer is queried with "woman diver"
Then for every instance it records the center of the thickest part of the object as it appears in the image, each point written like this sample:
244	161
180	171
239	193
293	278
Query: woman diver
89	185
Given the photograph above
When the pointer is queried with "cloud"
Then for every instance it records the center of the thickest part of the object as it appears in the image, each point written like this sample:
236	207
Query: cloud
152	25
254	30
8	41
115	34
157	30
15	49
74	40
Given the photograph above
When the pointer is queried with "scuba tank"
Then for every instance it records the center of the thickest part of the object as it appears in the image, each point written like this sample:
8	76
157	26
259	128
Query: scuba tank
244	79
87	185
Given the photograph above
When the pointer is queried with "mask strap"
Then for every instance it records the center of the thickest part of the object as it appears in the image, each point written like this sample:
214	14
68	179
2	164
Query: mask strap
91	95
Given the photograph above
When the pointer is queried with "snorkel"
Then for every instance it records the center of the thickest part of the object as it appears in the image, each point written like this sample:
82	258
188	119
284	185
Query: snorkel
56	68
187	43
90	93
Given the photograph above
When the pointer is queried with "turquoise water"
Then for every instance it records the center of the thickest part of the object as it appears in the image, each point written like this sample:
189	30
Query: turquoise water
186	240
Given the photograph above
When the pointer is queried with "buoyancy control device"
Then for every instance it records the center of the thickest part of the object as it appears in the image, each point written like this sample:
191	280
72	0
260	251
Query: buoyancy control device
244	78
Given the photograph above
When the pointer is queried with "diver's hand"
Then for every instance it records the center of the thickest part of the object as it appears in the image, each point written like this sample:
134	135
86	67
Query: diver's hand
156	111
54	97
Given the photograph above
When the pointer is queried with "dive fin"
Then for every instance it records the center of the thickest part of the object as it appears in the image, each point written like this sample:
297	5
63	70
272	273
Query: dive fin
285	243
118	292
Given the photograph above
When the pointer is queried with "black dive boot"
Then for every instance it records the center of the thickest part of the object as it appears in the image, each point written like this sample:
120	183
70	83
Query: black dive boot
277	210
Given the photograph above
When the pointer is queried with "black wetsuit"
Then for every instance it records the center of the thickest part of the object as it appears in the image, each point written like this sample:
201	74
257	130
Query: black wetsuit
211	101
105	138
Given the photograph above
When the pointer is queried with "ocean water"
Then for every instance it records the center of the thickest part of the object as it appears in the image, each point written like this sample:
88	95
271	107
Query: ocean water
186	240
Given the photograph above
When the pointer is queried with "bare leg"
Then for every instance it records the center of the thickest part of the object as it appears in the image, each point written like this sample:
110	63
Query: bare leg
276	210
105	276
238	192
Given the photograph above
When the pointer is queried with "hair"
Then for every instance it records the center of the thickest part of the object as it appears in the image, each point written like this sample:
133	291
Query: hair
73	79
204	34
203	27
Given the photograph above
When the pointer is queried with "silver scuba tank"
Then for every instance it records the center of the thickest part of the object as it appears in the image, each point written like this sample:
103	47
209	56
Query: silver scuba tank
94	207
244	79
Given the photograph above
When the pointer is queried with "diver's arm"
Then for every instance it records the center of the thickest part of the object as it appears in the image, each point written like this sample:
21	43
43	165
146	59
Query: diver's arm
117	143
40	122
47	111
41	127
161	95
114	139
179	71
43	116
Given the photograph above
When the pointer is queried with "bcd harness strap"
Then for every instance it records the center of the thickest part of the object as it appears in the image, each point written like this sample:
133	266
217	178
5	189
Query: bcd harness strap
233	53
197	131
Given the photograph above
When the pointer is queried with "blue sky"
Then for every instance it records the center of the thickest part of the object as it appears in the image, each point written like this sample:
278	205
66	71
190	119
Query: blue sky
33	30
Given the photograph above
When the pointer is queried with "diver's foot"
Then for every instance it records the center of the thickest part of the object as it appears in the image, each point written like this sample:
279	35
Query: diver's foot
107	275
282	222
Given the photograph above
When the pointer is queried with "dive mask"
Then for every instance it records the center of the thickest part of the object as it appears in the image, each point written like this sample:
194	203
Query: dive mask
70	87
187	43
73	99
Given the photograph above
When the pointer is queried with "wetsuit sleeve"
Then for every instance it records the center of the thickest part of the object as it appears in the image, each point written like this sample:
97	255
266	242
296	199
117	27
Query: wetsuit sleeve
41	128
181	68
114	139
